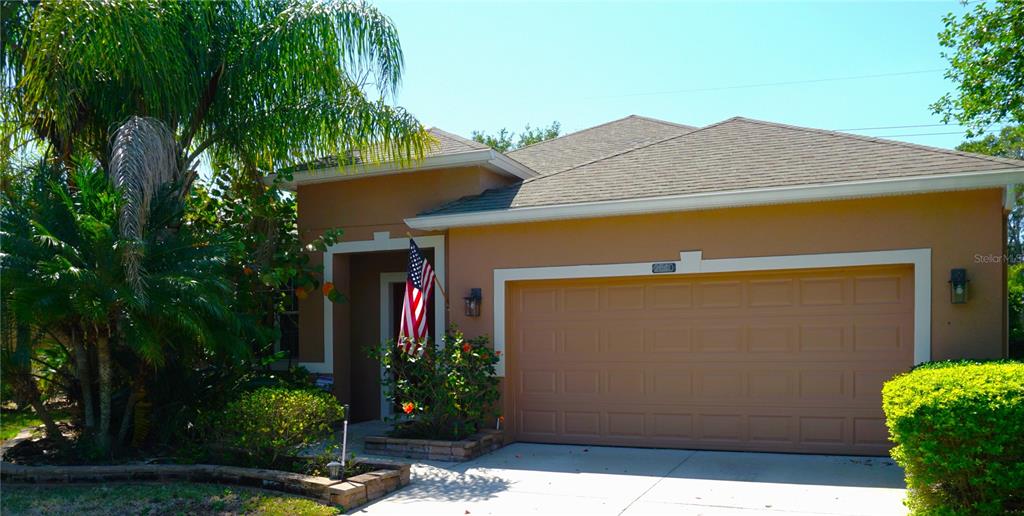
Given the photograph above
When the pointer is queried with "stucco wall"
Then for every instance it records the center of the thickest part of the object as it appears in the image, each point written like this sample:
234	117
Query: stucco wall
381	203
957	226
363	206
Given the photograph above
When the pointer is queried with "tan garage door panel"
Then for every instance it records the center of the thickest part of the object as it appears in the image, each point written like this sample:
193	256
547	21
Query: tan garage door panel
774	361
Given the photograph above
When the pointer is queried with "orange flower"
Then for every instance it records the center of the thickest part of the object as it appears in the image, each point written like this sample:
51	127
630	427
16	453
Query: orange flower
301	293
408	407
497	353
327	288
466	348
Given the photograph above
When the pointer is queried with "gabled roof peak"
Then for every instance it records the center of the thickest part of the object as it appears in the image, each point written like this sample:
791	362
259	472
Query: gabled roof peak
586	145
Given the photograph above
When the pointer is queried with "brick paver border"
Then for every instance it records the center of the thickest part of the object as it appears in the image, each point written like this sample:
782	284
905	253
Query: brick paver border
355	491
451	451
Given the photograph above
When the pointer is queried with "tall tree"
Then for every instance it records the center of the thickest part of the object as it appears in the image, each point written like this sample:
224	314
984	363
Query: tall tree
504	140
124	97
1008	144
986	62
266	83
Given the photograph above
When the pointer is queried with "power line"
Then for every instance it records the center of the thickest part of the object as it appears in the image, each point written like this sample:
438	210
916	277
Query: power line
896	127
768	84
962	131
913	134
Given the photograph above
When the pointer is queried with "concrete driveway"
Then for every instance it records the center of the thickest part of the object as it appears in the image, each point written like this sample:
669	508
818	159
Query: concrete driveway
556	479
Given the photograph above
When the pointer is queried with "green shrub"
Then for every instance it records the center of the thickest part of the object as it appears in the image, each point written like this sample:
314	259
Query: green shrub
447	393
959	434
1015	308
316	465
269	426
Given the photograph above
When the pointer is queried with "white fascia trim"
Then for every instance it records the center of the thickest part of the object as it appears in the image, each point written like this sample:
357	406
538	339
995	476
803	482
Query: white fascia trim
508	165
727	199
382	241
692	262
386	280
483	157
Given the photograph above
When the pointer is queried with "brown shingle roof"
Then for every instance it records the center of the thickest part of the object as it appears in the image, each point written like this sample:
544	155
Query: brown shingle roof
734	155
595	142
452	143
447	143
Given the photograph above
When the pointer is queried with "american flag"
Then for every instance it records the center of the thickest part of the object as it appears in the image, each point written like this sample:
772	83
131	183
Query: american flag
418	286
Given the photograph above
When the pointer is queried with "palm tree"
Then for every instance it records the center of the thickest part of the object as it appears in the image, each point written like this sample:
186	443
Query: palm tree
264	84
64	275
125	97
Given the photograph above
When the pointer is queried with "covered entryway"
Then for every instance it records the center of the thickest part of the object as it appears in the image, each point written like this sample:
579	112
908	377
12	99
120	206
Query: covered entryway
373	287
789	361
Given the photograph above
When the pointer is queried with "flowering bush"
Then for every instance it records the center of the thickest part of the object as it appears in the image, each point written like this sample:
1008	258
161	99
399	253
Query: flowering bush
449	392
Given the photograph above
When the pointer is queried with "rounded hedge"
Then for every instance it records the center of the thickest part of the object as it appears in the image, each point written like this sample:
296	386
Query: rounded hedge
959	434
272	423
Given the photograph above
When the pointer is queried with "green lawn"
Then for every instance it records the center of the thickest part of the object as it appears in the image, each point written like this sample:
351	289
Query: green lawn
12	421
153	498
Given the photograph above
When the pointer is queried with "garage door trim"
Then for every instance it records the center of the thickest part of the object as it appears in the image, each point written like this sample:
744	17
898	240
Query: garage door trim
692	262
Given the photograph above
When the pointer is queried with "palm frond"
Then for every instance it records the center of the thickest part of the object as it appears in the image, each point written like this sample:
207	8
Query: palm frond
143	159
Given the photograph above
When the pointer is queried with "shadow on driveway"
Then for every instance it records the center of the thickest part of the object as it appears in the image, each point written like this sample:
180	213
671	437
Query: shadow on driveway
439	484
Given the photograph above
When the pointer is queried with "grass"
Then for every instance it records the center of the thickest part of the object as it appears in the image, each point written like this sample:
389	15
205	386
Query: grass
13	421
154	498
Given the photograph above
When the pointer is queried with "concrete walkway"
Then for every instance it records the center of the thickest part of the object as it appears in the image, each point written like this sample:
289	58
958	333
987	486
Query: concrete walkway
557	479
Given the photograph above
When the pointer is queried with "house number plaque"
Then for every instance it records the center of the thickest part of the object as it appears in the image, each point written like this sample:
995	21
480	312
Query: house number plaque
659	268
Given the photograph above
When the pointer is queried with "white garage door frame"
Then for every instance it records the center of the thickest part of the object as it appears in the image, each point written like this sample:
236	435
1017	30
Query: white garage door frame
693	262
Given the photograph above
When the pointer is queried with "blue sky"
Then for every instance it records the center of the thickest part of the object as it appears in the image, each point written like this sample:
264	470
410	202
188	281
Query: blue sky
487	65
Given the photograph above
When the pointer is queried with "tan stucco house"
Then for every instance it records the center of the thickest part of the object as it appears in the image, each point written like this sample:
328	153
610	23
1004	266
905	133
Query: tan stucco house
743	286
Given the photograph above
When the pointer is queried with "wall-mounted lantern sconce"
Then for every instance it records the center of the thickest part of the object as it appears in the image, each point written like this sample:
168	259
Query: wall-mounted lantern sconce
473	302
958	286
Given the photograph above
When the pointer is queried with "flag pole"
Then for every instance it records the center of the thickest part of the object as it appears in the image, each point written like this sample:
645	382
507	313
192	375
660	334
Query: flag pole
436	281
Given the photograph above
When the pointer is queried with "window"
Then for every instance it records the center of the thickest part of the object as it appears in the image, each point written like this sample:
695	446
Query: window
288	323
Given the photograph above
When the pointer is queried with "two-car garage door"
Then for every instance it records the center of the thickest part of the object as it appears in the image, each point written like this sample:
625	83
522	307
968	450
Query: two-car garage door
772	361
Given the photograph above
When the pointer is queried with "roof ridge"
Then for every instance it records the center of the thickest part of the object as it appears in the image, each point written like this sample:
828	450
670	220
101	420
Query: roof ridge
638	147
619	153
874	139
649	119
837	134
664	122
473	144
566	135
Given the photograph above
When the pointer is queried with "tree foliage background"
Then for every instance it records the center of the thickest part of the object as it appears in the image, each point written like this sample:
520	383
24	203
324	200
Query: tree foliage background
984	49
504	140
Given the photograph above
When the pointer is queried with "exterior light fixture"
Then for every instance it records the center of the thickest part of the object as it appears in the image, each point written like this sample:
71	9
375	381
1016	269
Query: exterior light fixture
958	286
473	302
334	470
